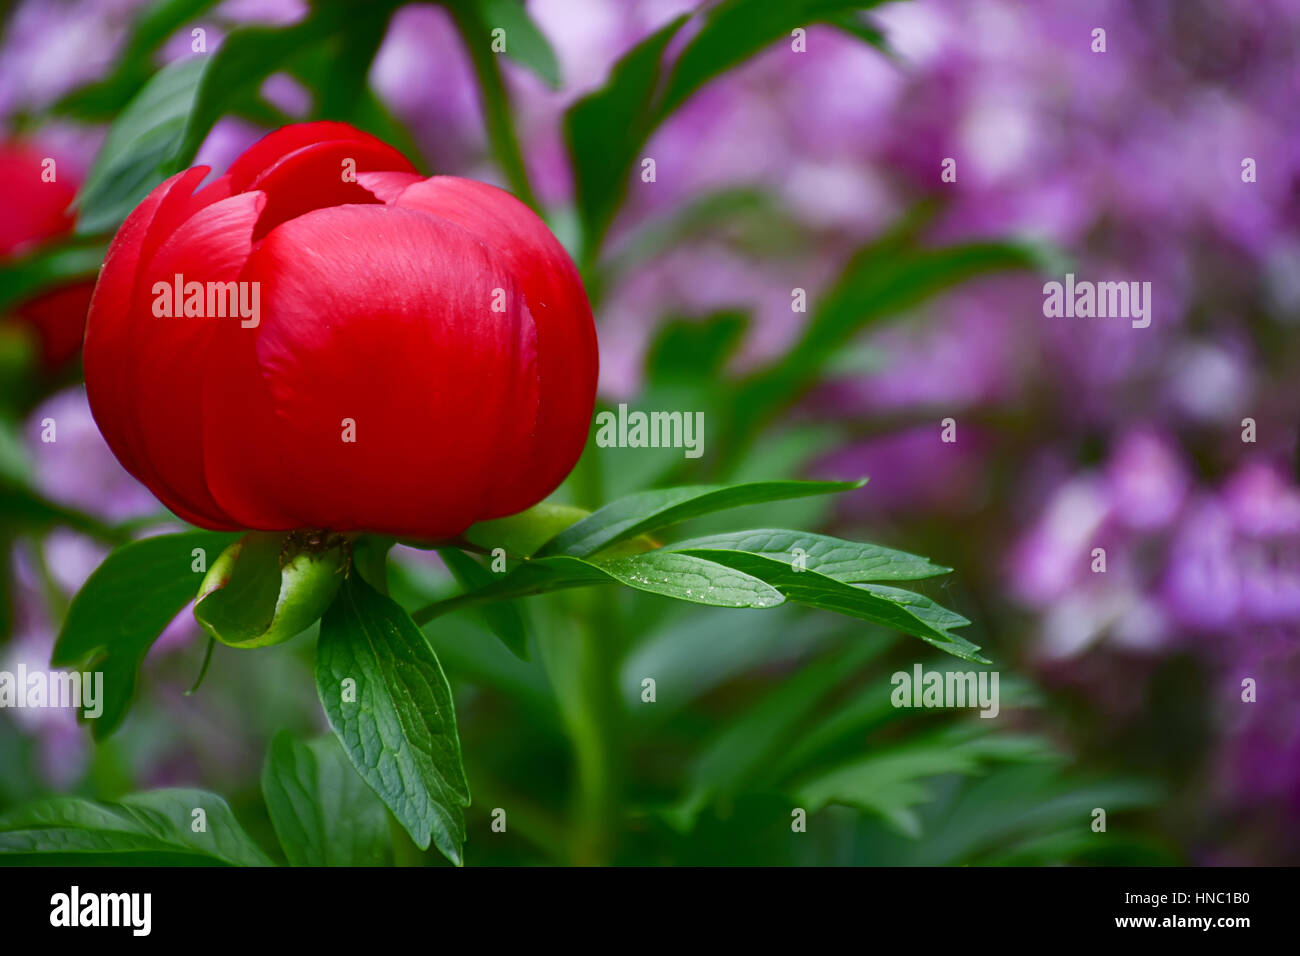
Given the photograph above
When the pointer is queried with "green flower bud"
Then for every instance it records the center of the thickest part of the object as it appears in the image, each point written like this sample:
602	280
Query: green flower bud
266	588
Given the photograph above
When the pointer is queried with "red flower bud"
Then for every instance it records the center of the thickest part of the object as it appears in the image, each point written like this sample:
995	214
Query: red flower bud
33	211
297	346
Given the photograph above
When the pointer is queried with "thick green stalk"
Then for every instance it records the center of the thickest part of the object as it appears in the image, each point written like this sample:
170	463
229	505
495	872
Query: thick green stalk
599	755
595	712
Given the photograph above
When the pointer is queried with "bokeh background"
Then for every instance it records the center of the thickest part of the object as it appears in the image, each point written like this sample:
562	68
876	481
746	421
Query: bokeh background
802	171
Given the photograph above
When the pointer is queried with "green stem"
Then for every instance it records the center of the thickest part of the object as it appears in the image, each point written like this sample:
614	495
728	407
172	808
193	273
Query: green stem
597	731
598	724
496	102
31	507
459	602
203	671
55	600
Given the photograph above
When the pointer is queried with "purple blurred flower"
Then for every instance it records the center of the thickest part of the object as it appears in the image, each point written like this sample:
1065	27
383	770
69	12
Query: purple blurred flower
915	470
1202	585
1147	481
62	747
967	360
1235	562
50	49
1053	556
424	75
229	137
77	468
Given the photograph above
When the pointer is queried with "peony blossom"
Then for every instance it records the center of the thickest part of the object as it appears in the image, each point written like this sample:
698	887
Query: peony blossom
324	338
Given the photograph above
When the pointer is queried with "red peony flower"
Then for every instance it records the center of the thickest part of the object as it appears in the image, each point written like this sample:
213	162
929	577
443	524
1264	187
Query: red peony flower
323	338
34	211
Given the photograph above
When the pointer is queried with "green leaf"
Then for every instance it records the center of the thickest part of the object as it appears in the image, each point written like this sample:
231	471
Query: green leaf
342	91
891	783
990	815
495	99
123	607
247	57
756	738
605	129
861	27
104	99
690	578
502	617
141	147
522	534
695	651
322	811
23	507
689	352
679	576
649	511
735	30
892	607
883	279
142	825
924	608
893	273
868	708
163	126
537	576
399	726
847	561
15	466
337	70
461	648
525	43
8	606
748	218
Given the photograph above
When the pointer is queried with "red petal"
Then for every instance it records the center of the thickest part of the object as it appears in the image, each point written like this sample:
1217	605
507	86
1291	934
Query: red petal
386	187
382	316
312	178
59	319
272	147
171	357
108	343
33	210
566	337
